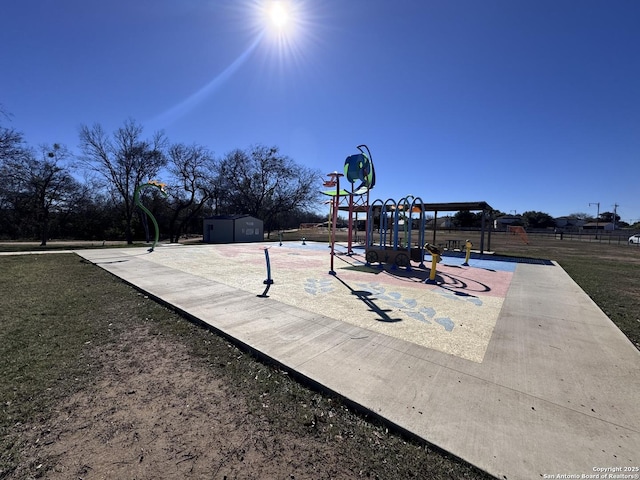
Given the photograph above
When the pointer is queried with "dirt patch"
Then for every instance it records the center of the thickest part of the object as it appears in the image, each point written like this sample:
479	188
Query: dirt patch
153	412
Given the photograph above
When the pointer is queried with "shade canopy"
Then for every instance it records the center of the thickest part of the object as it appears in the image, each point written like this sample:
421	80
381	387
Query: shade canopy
429	207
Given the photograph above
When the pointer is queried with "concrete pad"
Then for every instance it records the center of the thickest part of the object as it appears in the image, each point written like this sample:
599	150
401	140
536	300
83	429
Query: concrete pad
527	378
456	316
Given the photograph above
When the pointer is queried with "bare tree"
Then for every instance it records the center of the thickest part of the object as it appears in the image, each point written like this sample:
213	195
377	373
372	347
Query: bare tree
56	191
265	184
125	161
14	206
40	186
12	144
191	187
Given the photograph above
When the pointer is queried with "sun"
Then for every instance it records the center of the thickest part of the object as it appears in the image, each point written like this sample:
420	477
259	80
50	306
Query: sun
282	27
279	15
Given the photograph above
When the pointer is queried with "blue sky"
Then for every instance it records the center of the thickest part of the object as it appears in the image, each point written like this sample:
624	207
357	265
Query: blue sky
528	105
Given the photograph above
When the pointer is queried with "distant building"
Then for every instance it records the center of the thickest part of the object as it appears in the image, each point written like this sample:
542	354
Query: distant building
569	222
505	221
598	226
442	223
232	229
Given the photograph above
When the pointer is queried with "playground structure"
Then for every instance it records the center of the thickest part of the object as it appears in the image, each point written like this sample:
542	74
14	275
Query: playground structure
393	248
356	167
400	250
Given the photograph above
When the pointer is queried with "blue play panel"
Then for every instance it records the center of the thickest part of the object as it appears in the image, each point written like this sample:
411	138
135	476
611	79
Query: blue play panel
485	263
488	262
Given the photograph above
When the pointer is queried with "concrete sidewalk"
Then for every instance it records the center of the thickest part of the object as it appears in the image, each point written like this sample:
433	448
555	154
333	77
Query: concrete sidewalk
548	385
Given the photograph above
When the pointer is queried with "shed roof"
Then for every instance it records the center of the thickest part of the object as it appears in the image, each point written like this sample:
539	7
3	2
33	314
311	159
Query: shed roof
229	217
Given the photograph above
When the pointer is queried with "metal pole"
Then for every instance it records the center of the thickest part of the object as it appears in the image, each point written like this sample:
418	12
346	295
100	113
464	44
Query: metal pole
269	281
482	225
337	176
597	216
435	223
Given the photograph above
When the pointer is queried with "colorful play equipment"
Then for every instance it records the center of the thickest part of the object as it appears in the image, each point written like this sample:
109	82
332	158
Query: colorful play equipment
333	181
467	246
357	168
394	248
399	243
136	199
436	257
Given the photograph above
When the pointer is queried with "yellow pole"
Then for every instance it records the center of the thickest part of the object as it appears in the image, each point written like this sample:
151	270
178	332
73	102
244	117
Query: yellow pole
435	258
468	245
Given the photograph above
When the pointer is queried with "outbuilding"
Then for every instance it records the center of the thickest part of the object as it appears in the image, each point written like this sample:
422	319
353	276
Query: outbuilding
232	229
597	226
